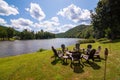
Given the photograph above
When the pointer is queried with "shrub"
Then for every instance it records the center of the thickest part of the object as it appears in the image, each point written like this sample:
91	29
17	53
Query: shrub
86	41
102	39
41	49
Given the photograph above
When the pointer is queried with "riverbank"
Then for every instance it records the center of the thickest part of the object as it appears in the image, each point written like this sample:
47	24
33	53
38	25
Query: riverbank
40	66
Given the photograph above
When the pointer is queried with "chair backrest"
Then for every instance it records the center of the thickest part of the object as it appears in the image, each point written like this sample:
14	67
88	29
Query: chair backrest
63	47
98	50
92	52
77	47
89	46
76	56
55	51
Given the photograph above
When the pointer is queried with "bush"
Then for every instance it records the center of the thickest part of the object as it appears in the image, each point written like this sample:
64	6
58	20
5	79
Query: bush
41	49
86	41
102	39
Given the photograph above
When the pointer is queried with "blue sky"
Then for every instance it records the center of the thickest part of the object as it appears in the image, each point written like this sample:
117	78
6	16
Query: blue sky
50	15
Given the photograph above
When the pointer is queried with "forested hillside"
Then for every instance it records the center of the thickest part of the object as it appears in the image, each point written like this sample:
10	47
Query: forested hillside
81	31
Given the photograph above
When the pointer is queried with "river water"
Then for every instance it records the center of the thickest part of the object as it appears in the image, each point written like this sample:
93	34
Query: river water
9	48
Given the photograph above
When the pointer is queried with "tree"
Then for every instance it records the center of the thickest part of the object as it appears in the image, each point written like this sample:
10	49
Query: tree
106	18
10	32
3	34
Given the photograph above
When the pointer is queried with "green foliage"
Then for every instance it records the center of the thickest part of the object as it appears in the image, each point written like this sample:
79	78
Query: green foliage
86	41
39	35
44	35
104	40
41	50
7	32
106	19
81	31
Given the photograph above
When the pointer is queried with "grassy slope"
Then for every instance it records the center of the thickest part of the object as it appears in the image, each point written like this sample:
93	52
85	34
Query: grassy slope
38	66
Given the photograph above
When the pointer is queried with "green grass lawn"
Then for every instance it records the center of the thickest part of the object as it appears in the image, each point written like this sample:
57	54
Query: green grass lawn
40	66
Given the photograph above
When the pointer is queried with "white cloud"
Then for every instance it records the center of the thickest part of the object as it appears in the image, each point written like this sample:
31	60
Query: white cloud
65	27
53	26
36	12
47	25
74	13
6	10
53	29
21	24
2	21
55	19
60	29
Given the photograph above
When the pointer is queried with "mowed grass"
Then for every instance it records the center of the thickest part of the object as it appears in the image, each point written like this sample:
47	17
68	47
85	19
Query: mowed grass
40	66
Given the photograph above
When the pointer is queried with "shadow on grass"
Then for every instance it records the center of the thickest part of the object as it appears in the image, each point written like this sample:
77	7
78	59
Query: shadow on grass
102	59
54	62
64	63
115	41
92	64
99	60
110	41
77	67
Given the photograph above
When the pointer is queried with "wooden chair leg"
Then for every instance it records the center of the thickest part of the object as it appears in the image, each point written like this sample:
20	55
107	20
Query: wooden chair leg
98	56
93	59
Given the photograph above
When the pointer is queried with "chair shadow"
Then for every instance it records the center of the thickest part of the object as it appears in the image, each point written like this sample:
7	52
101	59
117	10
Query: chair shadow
98	60
102	59
64	63
77	68
94	65
54	62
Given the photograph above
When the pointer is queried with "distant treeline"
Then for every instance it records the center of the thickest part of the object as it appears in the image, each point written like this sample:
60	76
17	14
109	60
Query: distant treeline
7	32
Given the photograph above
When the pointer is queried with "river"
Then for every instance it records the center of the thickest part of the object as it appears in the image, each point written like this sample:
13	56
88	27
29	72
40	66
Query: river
9	48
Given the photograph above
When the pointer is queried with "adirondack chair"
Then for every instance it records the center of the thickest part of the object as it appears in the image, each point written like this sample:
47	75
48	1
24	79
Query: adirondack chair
58	54
97	53
89	47
77	47
75	57
64	49
90	56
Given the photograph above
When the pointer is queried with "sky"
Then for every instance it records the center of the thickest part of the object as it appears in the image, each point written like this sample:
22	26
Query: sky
54	16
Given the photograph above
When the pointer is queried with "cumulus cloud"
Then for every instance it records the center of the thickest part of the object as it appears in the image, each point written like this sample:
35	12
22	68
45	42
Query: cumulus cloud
36	12
47	25
53	26
65	27
21	24
55	19
6	9
74	13
2	21
54	29
60	29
